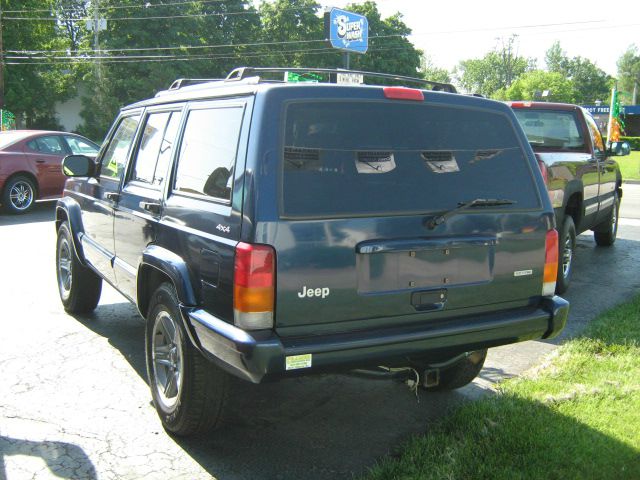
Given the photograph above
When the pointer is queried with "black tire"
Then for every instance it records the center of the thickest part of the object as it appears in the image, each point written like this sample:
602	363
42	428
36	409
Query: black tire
19	195
460	373
79	286
566	251
605	234
188	391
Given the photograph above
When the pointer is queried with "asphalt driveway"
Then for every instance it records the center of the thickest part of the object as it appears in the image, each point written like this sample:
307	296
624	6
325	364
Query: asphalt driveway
74	402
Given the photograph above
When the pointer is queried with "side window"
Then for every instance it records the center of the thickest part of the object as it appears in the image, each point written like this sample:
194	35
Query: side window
114	159
595	134
51	145
79	146
147	156
208	152
167	147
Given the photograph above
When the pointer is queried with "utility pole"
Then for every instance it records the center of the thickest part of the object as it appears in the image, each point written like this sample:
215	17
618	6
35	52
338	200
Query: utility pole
96	39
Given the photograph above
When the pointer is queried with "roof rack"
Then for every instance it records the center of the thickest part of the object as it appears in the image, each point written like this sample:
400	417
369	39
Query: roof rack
244	72
184	82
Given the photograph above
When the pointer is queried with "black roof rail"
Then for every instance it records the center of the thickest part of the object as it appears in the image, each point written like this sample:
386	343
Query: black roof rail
244	72
184	82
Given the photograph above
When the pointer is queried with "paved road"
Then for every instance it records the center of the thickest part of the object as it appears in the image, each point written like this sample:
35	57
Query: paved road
74	402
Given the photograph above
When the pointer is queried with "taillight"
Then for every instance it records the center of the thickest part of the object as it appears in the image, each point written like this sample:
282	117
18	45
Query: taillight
550	264
544	171
254	286
520	104
403	93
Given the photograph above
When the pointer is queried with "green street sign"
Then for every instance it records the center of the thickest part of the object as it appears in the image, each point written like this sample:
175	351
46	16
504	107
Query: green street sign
294	77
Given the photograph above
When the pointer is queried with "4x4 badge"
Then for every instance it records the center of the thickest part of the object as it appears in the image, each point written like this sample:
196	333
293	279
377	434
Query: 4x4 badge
223	228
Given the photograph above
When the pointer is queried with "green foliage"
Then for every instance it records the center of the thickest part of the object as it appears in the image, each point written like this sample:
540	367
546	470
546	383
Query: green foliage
32	90
389	49
531	85
429	71
630	165
115	81
589	82
629	72
497	70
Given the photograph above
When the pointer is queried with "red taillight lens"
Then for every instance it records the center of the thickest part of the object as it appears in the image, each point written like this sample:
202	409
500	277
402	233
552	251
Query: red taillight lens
550	263
403	93
254	285
544	171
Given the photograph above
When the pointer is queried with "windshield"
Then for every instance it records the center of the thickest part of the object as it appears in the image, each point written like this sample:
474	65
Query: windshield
365	158
551	130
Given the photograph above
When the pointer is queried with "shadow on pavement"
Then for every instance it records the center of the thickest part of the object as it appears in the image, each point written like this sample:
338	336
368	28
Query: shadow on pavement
123	327
42	212
64	460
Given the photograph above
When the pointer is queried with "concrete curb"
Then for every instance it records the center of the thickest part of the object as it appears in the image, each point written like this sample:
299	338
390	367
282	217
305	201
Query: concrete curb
631	182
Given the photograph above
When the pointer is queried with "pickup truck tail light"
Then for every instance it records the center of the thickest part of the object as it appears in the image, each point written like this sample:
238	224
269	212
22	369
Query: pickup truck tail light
550	264
254	286
544	171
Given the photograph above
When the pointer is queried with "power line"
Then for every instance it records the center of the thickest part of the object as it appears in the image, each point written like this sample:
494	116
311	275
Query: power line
113	7
319	51
441	32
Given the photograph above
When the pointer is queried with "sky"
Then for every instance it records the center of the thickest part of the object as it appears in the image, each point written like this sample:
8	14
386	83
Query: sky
449	31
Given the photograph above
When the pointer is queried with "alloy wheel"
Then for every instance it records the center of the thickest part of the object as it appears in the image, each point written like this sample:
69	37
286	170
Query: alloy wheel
168	359
21	195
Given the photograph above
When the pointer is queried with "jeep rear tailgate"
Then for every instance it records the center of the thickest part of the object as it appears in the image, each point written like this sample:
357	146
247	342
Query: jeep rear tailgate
361	182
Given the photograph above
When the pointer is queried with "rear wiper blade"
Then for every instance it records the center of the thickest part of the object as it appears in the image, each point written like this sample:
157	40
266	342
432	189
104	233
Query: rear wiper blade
478	202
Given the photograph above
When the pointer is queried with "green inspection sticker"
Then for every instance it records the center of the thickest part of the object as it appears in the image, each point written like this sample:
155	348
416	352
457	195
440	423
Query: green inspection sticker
298	361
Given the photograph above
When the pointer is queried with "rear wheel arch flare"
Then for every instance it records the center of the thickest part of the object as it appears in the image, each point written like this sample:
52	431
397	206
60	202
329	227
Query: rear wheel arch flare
573	206
149	279
171	266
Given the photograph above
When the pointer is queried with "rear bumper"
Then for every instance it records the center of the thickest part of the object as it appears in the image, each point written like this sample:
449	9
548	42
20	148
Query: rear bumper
255	356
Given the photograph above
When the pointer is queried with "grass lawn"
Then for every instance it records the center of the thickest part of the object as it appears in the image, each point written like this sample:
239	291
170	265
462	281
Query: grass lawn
577	415
630	166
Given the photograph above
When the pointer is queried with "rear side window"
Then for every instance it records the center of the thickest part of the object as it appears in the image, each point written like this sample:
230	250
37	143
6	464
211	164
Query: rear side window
80	147
208	152
551	130
365	158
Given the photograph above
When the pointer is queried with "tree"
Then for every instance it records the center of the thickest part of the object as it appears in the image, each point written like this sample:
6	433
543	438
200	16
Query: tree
390	51
33	85
531	85
299	23
497	70
197	40
629	73
590	83
429	71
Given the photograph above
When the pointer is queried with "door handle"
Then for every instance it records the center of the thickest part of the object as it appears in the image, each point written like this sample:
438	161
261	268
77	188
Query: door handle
113	196
40	161
151	207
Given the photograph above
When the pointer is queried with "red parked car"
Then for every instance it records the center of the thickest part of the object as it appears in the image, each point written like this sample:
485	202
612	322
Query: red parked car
30	165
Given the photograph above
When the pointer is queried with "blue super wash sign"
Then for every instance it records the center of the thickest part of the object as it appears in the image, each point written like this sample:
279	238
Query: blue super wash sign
347	30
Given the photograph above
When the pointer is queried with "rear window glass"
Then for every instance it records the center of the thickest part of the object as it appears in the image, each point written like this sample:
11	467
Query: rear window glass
551	130
365	158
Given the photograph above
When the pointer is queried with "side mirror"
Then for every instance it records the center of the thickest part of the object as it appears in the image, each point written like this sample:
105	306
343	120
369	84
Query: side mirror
619	149
78	166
